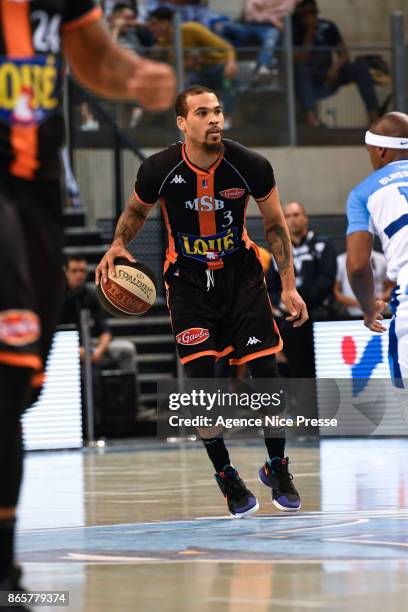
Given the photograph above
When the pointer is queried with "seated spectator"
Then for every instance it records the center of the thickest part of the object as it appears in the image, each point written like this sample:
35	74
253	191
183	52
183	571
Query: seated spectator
343	292
107	353
127	30
135	36
314	258
208	59
322	64
263	21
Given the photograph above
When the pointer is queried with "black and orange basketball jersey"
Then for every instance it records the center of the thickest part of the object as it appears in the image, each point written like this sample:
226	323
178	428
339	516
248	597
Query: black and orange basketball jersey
204	210
31	122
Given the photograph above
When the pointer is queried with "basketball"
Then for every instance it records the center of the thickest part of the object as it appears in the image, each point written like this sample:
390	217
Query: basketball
132	292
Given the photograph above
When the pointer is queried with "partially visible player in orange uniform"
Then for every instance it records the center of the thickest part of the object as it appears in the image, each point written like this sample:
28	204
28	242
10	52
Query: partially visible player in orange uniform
34	37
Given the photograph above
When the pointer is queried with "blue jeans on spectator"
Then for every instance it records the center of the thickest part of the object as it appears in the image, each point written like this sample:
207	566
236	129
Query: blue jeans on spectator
310	85
212	76
250	34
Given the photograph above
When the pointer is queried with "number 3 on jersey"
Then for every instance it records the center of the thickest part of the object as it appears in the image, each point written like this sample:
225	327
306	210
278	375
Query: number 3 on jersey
402	221
228	218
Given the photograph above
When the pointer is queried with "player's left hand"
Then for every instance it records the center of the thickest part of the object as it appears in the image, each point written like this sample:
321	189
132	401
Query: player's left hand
373	321
296	307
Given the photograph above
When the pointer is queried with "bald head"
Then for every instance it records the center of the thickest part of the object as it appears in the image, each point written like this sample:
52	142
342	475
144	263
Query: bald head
297	221
391	124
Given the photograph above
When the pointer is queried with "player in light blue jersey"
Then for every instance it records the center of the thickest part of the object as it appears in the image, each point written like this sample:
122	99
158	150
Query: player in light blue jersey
379	205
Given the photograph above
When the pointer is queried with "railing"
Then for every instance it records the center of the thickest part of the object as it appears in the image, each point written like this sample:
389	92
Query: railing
266	113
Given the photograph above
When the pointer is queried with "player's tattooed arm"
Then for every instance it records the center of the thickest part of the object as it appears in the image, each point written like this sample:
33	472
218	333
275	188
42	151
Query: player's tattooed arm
277	235
278	240
131	221
129	225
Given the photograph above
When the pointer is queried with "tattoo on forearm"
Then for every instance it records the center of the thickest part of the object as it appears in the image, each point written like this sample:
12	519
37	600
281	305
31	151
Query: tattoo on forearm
130	223
279	243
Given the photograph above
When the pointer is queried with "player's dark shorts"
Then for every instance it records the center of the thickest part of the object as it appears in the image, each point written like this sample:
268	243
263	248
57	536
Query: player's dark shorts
31	282
222	312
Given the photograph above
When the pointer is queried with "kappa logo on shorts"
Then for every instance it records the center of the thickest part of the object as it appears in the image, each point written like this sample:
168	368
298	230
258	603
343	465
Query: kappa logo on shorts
193	335
233	194
19	327
253	340
177	178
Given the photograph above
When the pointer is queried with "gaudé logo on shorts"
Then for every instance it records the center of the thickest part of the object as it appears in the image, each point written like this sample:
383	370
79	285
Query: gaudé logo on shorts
232	194
193	335
19	327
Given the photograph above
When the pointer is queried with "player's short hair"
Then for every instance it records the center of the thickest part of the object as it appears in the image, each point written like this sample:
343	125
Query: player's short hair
163	13
180	106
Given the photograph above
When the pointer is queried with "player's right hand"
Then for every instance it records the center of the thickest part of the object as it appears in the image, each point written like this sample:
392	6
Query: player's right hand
153	85
373	321
107	266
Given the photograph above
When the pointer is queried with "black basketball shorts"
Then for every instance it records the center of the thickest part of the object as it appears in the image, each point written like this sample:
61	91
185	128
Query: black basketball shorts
222	312
31	282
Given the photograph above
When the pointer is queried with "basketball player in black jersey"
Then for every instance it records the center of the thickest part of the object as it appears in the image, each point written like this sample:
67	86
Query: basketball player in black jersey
215	284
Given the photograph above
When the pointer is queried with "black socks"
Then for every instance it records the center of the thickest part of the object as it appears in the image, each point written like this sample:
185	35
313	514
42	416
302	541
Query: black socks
217	452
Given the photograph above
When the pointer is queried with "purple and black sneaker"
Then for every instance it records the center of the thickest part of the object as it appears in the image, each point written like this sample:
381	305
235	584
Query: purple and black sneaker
275	475
241	502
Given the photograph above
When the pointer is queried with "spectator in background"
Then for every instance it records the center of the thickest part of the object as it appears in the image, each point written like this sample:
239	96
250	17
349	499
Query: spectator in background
322	64
343	292
135	36
263	22
107	352
314	258
208	59
127	31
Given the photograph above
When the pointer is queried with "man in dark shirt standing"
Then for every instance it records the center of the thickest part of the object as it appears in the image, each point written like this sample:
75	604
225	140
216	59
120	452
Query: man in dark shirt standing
318	73
314	258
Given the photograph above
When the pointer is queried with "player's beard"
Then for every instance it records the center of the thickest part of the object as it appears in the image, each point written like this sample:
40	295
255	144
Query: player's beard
213	147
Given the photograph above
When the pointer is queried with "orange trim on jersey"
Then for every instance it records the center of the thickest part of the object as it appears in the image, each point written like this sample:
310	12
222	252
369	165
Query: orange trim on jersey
139	199
248	242
206	218
198	170
267	196
89	17
37	380
21	360
270	351
171	253
24	142
16	28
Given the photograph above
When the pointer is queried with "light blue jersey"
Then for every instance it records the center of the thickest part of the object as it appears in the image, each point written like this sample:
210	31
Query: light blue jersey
379	205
